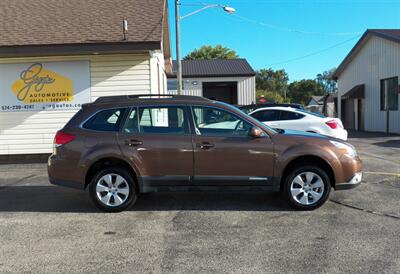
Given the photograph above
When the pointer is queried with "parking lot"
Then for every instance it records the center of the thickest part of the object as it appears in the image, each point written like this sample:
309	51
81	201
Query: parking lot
48	229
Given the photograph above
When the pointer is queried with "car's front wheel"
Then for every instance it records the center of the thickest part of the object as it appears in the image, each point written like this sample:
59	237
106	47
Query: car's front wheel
307	187
113	190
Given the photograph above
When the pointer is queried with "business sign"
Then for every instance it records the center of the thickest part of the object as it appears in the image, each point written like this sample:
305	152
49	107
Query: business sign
44	85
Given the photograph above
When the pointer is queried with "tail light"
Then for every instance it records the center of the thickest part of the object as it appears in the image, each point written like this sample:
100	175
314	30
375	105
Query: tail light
63	138
333	124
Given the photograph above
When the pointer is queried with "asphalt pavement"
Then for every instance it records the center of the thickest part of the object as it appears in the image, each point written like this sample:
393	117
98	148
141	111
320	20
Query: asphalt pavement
49	229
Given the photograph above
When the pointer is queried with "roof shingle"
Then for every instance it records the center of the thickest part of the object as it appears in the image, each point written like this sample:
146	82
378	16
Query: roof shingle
52	22
214	68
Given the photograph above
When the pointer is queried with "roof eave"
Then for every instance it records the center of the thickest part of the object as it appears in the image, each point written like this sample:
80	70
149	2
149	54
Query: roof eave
78	49
346	60
356	47
166	39
213	75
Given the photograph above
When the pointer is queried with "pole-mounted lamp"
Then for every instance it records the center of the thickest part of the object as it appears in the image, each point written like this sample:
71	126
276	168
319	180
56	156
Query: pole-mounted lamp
227	9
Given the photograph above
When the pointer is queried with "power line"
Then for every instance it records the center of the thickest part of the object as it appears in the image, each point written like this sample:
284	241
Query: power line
276	27
280	28
315	52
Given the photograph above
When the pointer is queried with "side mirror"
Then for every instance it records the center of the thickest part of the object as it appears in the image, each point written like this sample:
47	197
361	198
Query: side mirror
256	132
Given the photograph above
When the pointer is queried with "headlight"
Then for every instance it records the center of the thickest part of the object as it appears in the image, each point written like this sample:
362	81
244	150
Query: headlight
349	149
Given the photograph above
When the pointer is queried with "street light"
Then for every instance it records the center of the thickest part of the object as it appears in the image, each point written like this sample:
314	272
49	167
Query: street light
227	9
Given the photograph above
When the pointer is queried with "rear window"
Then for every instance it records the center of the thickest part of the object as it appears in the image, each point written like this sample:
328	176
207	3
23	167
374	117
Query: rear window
312	113
106	120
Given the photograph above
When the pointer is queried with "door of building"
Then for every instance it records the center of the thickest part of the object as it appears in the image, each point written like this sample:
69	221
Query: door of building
222	91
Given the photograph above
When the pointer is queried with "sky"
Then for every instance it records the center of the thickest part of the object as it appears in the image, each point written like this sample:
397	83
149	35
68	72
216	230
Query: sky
303	37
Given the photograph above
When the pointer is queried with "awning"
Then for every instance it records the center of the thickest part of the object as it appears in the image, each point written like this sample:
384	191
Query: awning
357	92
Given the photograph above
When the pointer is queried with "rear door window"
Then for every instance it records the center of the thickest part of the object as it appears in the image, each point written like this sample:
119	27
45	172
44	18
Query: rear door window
106	120
266	115
289	115
162	120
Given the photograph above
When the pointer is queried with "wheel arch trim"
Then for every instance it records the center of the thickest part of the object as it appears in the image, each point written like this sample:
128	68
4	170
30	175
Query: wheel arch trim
113	157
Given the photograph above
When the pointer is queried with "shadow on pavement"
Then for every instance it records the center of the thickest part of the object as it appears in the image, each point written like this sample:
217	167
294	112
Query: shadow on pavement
366	135
389	143
63	200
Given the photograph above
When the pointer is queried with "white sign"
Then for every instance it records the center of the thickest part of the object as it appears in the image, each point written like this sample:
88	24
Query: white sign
44	85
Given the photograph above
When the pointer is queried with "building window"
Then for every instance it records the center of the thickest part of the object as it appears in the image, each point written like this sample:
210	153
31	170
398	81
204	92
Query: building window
171	85
390	94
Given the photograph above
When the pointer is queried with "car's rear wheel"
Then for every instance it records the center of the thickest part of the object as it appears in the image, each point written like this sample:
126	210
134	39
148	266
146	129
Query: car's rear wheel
113	190
307	187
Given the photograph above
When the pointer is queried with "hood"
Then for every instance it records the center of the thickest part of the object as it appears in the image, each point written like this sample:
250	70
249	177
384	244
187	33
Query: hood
290	132
309	135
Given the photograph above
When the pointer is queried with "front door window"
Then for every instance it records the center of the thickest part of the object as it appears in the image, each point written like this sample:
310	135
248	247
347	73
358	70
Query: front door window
217	122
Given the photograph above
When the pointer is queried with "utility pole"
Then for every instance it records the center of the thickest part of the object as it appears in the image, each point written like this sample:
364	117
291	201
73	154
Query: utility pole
178	18
178	49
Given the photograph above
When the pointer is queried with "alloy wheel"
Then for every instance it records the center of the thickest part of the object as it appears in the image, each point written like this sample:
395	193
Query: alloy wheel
307	188
112	190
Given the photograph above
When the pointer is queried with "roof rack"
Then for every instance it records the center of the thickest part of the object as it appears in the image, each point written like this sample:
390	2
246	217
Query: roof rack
118	98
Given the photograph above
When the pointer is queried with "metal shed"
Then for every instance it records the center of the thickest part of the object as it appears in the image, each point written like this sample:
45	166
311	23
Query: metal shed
228	80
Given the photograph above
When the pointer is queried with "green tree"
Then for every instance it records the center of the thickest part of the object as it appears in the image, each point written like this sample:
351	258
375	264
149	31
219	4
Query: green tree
210	52
275	81
326	80
301	91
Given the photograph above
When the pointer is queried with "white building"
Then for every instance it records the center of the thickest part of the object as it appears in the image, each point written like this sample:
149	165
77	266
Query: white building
56	57
232	81
368	83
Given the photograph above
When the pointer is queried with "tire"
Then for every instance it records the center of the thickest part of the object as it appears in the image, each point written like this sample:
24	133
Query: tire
113	190
306	187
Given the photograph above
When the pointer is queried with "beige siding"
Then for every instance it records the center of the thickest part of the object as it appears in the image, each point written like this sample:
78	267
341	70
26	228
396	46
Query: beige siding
246	87
378	59
33	131
119	75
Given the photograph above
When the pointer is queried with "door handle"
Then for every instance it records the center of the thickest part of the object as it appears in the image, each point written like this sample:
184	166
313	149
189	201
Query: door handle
205	145
133	143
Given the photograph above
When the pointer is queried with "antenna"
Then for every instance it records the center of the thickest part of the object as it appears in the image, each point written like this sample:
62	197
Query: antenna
125	27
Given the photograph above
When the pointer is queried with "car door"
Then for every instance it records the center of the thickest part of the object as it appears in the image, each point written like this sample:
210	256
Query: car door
157	140
225	153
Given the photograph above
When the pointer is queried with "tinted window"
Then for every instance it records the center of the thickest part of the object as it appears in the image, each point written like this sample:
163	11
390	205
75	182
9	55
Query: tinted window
288	115
131	124
217	122
266	115
106	120
164	120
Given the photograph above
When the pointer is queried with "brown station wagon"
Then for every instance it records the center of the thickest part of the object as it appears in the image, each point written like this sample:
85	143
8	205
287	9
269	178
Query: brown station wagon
121	146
